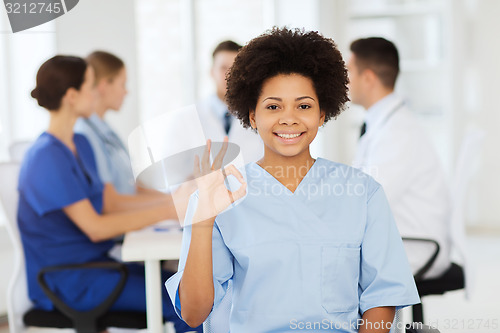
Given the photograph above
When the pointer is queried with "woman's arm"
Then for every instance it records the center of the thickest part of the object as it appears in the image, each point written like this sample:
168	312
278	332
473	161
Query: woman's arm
102	227
377	320
196	288
114	202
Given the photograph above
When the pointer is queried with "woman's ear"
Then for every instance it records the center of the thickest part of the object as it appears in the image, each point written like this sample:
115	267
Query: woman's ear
102	85
70	96
251	116
322	115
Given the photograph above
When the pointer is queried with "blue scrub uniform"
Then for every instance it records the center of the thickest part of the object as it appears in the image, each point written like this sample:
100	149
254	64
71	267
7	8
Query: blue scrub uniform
51	178
314	259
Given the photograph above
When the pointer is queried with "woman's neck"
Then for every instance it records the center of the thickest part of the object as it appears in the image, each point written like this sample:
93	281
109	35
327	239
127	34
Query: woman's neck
100	110
287	170
61	126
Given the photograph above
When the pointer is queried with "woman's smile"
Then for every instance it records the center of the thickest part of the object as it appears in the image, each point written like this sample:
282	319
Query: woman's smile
289	137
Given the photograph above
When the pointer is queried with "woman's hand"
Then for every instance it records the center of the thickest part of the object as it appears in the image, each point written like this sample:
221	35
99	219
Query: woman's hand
214	197
181	197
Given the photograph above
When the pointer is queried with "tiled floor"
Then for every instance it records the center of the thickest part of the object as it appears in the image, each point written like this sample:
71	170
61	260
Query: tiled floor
453	313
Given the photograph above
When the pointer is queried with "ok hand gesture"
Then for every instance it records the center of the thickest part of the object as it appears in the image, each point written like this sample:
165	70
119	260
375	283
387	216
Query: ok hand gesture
214	197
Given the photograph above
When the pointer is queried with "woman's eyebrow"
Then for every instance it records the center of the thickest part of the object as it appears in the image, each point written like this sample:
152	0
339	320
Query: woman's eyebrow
304	97
274	98
281	100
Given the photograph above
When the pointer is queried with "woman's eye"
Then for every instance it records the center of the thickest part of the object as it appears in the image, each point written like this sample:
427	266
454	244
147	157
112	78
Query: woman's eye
304	106
272	107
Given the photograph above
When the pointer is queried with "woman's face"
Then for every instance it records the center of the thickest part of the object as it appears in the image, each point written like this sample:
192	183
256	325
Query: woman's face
85	98
112	91
287	116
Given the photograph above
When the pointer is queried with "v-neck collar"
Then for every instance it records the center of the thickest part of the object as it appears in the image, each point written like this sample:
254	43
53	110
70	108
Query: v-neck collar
62	144
297	189
75	155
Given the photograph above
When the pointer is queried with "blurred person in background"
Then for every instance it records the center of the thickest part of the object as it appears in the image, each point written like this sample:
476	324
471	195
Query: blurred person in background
66	215
395	150
215	118
111	155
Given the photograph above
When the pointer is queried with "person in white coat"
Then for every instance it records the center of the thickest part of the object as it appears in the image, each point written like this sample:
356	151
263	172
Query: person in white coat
394	149
215	118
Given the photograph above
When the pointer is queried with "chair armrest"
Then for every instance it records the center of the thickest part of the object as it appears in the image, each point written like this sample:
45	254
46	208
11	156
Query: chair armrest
420	273
85	321
420	328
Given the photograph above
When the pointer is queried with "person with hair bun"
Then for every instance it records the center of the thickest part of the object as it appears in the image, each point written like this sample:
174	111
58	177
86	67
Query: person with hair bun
65	214
307	243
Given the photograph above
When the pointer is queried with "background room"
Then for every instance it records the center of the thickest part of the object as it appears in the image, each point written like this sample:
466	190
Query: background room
449	70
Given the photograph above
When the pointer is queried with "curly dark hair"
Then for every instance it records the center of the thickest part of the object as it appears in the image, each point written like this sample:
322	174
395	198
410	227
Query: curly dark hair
287	51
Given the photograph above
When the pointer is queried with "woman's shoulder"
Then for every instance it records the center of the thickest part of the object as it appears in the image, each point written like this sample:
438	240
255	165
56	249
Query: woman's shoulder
47	154
344	174
338	169
45	148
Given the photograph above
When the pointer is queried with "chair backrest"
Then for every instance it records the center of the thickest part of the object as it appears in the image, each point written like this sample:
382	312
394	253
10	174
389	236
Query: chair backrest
466	165
18	149
17	294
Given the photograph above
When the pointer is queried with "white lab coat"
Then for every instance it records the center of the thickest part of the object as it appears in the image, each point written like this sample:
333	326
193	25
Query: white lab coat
397	153
211	112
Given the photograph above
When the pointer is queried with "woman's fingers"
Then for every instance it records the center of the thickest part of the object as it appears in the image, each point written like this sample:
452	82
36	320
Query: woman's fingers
231	170
220	156
239	193
196	167
205	160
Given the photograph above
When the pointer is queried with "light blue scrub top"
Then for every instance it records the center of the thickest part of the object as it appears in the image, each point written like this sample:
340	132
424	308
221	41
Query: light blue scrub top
111	155
319	257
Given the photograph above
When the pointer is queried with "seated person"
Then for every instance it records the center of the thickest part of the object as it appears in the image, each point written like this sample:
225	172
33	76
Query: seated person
216	120
66	215
394	149
111	155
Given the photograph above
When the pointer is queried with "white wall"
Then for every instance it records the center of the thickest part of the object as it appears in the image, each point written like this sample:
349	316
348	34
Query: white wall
6	267
176	39
21	117
476	90
21	56
109	26
239	21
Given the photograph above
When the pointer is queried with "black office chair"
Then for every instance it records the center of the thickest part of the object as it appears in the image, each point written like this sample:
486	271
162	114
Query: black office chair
90	321
452	279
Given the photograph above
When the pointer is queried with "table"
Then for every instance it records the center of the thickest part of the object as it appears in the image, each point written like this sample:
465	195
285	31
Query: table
161	241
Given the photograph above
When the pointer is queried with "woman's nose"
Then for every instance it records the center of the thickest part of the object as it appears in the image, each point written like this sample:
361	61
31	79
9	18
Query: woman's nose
288	116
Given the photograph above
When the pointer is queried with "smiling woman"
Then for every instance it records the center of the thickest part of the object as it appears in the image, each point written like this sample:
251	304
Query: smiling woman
298	243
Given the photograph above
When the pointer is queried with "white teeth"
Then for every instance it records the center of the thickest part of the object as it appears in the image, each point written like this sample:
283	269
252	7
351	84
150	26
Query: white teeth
288	136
